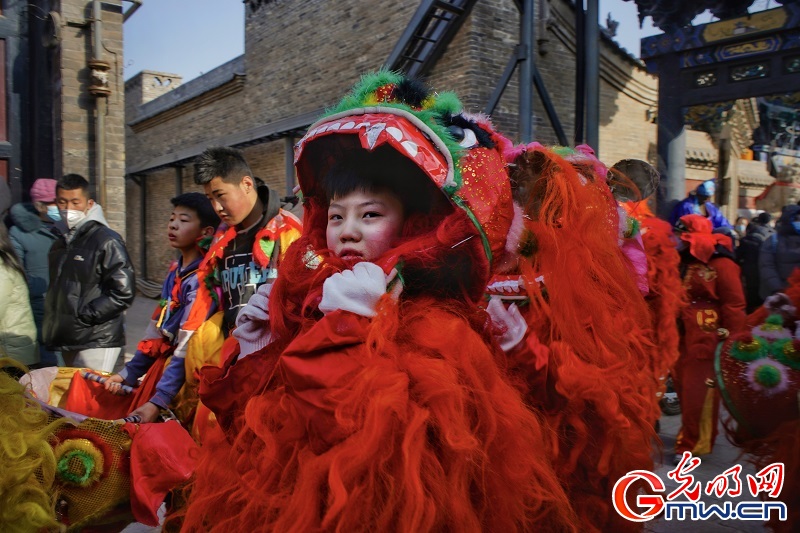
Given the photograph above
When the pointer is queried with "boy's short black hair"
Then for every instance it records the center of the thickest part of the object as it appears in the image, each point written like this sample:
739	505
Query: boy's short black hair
226	163
763	218
382	169
199	204
71	182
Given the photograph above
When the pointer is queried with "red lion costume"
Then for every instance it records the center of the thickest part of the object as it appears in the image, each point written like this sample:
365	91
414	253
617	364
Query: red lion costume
399	422
586	359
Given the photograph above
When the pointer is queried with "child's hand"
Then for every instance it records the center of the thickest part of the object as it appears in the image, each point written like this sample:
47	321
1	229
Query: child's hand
252	324
357	290
147	412
511	323
113	384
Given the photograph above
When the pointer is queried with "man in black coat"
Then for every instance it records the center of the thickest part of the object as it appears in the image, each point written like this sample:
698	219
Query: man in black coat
758	231
91	282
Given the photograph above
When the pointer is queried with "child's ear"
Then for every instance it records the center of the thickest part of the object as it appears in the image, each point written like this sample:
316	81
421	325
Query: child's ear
208	231
248	183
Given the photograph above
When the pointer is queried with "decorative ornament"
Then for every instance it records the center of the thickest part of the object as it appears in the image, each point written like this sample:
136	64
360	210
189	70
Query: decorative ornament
768	376
748	348
759	378
79	462
772	329
787	351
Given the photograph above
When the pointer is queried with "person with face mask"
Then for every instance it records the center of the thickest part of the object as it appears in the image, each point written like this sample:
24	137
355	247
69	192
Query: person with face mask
780	254
741	226
32	235
92	282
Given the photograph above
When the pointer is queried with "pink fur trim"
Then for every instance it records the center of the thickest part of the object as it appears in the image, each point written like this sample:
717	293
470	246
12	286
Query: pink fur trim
599	168
511	152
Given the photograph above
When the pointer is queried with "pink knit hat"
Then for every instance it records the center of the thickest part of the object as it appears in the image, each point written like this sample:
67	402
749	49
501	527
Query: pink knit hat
44	190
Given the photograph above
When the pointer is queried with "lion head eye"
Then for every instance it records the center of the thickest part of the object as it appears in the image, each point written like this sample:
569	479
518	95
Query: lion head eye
465	137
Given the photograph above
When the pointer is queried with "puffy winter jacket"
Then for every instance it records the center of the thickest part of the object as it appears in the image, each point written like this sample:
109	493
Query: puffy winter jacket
780	254
17	330
91	285
32	239
747	256
691	206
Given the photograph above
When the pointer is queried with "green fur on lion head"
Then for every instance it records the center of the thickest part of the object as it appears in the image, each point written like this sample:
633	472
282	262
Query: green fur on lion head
460	153
435	108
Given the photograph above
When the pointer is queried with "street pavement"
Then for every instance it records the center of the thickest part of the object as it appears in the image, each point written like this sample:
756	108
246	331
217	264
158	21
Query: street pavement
724	456
136	319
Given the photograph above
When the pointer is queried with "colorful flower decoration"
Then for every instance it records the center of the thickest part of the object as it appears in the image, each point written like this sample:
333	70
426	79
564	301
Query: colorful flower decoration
758	376
747	347
80	462
768	376
787	351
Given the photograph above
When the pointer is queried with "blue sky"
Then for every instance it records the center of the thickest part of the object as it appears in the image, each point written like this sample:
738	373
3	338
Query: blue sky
190	37
186	37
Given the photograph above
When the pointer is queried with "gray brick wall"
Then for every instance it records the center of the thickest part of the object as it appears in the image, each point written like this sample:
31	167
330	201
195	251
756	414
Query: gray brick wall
76	139
302	55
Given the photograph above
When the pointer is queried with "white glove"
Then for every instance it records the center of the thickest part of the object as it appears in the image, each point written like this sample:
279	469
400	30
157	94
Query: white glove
252	323
510	322
357	290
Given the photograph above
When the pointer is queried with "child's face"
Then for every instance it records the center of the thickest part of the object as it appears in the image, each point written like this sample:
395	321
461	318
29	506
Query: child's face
232	201
184	228
363	225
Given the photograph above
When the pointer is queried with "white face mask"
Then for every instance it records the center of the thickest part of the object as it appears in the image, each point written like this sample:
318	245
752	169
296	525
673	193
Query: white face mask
72	217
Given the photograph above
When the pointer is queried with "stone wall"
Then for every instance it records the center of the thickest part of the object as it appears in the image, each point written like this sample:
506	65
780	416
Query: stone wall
301	55
76	140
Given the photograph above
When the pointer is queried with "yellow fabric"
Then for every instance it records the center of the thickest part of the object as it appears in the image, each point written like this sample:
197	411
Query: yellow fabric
703	445
204	348
162	315
288	237
60	386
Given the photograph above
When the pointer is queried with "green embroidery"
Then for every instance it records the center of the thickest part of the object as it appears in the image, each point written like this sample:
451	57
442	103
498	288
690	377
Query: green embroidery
65	472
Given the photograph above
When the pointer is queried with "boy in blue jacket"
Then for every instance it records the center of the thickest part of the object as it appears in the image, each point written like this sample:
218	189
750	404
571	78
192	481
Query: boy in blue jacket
192	221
